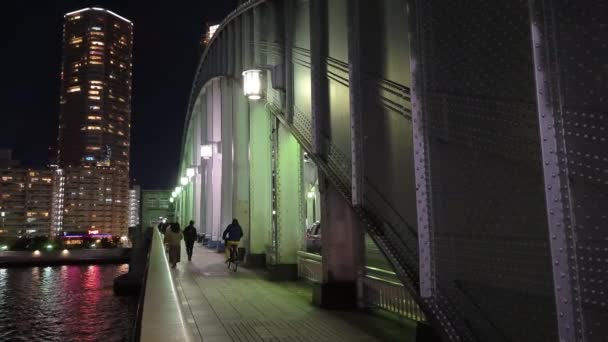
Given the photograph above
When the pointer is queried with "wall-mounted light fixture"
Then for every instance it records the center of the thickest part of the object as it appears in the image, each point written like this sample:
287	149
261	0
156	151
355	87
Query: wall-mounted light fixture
184	181
206	151
178	190
190	172
252	84
171	200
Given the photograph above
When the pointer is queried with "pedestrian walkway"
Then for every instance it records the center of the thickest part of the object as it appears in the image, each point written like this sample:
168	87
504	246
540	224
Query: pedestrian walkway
220	305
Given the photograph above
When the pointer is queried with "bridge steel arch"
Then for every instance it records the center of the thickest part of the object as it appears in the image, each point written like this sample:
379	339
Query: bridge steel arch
451	131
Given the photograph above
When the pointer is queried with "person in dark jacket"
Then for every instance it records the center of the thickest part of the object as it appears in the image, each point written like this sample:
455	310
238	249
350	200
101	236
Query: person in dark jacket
189	238
232	235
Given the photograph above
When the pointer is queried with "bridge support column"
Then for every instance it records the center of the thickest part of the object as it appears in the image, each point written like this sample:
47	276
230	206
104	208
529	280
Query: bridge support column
342	245
240	155
288	236
260	185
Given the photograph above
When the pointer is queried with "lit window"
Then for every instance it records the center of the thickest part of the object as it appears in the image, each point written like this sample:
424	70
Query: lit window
74	89
93	92
94	107
93	148
96	42
96	87
120	133
93	128
96	58
117	25
74	18
96	82
96	62
7	178
97	34
76	40
94	117
96	28
94	98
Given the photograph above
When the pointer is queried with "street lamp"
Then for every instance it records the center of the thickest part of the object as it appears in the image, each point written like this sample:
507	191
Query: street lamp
206	151
252	84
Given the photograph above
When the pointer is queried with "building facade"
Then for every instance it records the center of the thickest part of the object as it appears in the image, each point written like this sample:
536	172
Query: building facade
155	207
94	122
26	202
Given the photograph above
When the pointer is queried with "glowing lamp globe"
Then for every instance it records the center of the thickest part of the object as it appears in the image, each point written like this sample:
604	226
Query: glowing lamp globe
252	84
190	172
206	151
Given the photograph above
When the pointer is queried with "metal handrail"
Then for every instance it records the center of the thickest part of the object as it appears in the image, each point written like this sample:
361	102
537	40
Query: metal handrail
162	312
310	256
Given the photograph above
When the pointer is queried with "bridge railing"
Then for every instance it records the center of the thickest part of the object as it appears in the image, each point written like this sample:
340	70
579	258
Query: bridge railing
162	317
379	289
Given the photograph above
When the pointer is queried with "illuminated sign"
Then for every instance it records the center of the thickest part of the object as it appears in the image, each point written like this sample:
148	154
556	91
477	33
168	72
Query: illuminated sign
93	232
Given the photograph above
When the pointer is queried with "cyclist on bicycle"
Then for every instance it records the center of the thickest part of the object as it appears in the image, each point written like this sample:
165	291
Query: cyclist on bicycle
232	235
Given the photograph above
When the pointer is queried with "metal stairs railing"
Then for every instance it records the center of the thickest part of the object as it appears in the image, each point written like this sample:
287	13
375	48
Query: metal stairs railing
438	309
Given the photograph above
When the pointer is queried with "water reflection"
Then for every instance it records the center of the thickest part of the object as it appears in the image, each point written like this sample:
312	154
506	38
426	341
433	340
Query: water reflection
63	303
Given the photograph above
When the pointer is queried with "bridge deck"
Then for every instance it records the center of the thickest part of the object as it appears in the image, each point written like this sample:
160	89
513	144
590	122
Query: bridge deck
220	305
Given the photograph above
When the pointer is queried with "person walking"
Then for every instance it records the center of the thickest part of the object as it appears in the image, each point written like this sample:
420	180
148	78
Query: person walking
232	235
173	238
189	238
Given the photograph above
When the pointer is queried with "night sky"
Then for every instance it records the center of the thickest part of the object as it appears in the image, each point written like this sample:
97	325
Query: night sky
166	52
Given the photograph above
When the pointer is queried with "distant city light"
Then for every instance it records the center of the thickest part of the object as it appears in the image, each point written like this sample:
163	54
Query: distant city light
49	247
93	245
4	247
36	253
65	251
212	30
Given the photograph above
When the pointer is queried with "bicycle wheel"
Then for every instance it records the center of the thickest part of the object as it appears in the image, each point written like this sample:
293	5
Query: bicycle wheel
235	260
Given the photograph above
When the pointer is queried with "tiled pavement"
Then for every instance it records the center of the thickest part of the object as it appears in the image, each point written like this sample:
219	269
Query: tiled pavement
221	305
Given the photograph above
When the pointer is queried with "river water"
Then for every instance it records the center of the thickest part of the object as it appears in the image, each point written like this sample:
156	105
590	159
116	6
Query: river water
64	303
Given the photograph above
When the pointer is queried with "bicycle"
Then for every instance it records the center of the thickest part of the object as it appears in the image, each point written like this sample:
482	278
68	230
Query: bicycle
233	262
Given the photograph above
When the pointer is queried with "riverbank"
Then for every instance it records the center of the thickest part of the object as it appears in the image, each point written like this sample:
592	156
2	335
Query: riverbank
64	257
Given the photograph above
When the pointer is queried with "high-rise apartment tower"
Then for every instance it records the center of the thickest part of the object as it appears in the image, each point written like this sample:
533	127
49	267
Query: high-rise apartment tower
95	120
